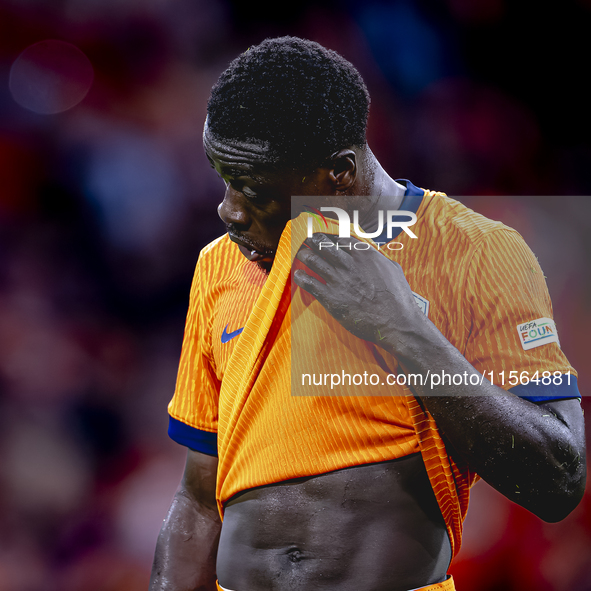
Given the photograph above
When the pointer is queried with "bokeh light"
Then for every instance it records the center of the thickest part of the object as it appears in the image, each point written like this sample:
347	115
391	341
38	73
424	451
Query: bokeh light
50	77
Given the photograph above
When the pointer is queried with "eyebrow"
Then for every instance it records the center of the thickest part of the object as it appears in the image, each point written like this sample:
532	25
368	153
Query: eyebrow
236	172
232	172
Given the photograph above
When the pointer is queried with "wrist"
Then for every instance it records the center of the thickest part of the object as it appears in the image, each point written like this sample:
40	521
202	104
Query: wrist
414	341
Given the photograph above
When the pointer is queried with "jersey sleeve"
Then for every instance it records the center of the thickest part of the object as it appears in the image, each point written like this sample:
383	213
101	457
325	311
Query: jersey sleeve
512	335
193	410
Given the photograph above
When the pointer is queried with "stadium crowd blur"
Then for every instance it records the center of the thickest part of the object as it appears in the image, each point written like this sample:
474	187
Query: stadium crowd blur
104	207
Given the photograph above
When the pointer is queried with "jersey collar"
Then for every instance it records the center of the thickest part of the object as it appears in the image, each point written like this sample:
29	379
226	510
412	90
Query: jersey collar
413	196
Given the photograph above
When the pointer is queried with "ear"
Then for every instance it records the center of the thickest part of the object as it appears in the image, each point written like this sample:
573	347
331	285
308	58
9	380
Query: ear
343	169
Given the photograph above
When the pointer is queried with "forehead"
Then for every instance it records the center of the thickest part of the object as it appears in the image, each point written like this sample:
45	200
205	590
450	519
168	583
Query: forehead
235	158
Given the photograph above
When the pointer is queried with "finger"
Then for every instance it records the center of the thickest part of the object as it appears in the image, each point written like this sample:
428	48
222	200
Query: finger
316	263
327	247
320	292
347	240
353	246
319	238
309	284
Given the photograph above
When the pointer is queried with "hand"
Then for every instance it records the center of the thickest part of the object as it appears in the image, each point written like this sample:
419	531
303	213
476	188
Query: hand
365	292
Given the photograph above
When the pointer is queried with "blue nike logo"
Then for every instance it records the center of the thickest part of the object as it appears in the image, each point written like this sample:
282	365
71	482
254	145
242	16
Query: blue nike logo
228	336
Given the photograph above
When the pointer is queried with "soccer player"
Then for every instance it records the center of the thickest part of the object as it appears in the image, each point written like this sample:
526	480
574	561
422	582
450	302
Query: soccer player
351	492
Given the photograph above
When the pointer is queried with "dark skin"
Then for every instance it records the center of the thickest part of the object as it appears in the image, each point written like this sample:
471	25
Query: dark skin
314	533
533	454
188	543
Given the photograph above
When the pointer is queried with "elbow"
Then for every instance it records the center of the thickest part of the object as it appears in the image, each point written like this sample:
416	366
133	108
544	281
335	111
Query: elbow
561	499
558	509
567	469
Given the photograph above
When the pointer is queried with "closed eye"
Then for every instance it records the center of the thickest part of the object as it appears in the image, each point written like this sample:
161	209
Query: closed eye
248	192
235	182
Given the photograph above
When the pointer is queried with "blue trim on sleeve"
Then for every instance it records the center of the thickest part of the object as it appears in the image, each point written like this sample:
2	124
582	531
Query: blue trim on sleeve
195	439
545	393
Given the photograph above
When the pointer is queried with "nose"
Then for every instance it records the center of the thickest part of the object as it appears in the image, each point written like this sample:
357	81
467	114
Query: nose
231	209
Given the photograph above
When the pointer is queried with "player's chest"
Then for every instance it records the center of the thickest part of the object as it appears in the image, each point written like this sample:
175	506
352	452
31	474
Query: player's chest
234	302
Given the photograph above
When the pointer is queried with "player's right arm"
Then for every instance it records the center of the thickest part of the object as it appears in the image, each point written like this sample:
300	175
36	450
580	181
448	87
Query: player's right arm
187	545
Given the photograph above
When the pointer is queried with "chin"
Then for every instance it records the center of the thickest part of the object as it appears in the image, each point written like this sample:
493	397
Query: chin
265	265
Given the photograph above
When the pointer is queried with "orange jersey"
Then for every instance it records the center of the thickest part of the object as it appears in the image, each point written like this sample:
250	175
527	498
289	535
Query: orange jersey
475	279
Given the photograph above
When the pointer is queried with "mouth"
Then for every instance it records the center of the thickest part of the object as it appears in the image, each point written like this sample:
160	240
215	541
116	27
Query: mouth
251	252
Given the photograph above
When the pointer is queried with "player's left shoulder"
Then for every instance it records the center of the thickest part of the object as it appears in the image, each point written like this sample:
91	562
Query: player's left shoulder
456	227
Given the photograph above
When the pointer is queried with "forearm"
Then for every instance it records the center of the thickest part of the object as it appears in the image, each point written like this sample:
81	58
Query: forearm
525	451
532	454
187	547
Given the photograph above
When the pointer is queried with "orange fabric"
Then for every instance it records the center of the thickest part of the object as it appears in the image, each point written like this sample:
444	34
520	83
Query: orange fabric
480	280
447	585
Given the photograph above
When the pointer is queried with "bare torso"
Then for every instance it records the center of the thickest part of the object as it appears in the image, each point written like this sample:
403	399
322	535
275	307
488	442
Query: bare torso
375	527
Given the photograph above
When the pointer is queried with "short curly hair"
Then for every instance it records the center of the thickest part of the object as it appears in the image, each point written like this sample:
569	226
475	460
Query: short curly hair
305	101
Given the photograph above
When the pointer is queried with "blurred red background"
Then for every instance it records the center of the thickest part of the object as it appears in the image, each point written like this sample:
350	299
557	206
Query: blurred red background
106	199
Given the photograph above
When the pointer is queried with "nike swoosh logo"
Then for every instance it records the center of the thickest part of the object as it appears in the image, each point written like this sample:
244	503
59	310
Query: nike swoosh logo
228	336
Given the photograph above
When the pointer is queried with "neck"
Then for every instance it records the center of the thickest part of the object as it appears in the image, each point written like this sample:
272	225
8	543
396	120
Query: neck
382	193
